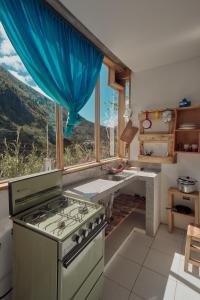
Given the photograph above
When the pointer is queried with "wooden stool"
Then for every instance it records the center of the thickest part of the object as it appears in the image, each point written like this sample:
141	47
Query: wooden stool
193	235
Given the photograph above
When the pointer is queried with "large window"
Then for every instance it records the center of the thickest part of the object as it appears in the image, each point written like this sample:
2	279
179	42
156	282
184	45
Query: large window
31	137
109	104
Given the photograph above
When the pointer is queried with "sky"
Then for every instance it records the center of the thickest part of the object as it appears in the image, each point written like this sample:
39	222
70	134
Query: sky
11	61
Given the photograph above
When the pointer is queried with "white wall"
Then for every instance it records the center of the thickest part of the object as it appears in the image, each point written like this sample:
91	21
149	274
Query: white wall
164	87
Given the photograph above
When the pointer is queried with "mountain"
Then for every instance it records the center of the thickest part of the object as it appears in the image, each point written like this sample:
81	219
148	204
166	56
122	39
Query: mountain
21	107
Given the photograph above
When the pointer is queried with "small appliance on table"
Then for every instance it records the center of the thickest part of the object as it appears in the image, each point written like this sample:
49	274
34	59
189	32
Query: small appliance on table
58	241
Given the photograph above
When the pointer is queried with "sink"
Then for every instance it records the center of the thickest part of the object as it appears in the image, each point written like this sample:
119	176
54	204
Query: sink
116	177
113	177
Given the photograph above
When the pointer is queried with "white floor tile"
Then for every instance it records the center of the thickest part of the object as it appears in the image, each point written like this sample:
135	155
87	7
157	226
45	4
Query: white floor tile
134	297
168	246
185	292
141	239
150	285
134	251
164	233
122	271
161	262
170	289
113	291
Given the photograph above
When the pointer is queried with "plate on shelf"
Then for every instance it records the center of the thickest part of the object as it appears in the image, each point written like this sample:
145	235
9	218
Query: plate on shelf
188	126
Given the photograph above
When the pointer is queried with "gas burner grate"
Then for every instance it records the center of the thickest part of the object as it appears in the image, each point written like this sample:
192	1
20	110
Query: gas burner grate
59	215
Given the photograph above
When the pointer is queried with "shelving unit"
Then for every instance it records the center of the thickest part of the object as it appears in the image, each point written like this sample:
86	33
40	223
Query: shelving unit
157	137
174	137
187	136
174	192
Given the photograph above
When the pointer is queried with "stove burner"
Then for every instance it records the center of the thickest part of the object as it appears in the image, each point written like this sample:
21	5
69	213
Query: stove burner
83	209
60	215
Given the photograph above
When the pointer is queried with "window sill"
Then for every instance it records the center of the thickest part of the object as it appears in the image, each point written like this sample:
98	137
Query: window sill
79	167
72	169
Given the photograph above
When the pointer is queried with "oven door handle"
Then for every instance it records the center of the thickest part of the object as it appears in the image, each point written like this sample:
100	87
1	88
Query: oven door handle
70	257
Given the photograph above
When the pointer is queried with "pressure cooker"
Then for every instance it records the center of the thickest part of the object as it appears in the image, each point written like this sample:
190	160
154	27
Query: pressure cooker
186	184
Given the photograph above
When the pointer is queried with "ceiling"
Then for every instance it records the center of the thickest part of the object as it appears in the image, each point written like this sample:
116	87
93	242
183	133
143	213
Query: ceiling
144	34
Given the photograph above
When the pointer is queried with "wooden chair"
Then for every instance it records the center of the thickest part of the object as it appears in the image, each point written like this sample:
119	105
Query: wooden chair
193	235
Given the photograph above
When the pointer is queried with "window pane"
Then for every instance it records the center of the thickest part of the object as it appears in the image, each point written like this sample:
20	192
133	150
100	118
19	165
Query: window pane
109	99
27	119
80	146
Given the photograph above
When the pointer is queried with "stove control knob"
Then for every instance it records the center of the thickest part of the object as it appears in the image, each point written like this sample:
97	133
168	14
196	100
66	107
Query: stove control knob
91	226
98	221
103	217
84	233
77	238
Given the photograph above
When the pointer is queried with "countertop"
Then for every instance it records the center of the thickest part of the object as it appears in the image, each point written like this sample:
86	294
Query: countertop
95	189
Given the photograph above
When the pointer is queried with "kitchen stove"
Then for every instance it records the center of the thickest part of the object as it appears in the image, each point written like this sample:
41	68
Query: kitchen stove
61	216
58	241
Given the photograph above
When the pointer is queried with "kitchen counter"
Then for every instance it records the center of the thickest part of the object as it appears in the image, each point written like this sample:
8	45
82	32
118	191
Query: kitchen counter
96	189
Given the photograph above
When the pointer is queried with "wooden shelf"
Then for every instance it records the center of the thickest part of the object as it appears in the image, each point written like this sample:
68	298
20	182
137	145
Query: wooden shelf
187	152
181	214
156	137
187	130
157	159
174	193
175	137
165	137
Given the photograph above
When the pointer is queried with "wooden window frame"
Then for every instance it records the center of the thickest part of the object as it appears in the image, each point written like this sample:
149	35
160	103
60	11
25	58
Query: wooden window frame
113	69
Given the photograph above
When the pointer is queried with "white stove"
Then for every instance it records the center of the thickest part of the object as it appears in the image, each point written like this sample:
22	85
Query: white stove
58	241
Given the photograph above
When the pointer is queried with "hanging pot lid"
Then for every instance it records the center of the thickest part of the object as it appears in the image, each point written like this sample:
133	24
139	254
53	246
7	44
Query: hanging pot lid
187	180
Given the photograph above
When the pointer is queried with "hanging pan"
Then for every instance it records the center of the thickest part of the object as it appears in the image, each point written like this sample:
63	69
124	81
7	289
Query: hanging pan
147	122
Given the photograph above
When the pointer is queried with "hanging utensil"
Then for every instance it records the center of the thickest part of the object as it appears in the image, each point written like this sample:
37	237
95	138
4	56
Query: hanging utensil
147	122
157	115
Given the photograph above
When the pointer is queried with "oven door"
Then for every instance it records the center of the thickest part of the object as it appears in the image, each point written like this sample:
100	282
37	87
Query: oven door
75	280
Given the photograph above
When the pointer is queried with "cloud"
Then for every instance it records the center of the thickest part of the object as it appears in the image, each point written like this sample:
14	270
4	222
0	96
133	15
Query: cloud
6	47
24	78
13	62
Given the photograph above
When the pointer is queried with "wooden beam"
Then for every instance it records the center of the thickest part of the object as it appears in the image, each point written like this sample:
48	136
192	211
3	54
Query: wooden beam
121	123
59	139
111	80
97	120
107	61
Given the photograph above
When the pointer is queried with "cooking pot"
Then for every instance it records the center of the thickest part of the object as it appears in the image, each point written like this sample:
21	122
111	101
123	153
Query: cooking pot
186	184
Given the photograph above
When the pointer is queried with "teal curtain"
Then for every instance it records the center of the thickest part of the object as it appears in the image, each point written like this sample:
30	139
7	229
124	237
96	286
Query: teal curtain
63	63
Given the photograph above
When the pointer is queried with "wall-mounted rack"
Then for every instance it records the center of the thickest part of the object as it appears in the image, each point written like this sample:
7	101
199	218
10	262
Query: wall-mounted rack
177	138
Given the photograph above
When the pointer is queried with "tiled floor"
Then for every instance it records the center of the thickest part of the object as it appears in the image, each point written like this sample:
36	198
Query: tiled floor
149	268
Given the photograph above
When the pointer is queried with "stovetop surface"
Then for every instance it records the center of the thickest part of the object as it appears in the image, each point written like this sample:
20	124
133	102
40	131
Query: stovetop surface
59	217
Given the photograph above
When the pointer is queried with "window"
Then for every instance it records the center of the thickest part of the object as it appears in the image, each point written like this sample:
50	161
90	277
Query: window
79	148
109	103
27	118
30	135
